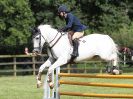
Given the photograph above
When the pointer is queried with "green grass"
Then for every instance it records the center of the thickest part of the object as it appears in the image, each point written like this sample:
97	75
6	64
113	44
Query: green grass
24	87
21	87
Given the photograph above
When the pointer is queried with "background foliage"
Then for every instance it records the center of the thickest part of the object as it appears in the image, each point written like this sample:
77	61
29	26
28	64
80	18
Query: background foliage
17	17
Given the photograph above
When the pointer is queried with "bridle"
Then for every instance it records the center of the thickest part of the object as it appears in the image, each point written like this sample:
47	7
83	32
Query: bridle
38	33
47	43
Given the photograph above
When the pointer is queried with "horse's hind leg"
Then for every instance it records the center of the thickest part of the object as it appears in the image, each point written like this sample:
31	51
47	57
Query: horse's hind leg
108	67
115	68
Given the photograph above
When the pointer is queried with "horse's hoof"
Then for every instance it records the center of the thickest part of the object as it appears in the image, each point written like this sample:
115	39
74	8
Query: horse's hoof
39	84
116	72
51	85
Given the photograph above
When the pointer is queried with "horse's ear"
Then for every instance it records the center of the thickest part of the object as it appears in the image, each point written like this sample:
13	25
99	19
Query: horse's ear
34	30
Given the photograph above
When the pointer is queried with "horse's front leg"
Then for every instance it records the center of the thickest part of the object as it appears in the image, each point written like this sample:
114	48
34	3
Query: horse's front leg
42	67
60	61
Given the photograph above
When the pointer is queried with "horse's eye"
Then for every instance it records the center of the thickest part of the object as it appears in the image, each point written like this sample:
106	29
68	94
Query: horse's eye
37	38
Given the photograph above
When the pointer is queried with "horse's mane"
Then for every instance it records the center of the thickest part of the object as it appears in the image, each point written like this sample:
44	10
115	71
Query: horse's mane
46	27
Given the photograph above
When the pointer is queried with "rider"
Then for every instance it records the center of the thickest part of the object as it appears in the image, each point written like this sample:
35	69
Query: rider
73	26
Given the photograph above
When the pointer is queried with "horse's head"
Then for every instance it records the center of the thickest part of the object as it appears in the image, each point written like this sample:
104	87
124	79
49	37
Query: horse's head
38	40
42	34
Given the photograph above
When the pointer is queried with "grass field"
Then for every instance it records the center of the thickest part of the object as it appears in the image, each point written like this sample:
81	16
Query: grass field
24	87
21	87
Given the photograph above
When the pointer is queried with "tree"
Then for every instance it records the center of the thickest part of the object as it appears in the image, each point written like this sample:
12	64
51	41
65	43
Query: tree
110	17
15	22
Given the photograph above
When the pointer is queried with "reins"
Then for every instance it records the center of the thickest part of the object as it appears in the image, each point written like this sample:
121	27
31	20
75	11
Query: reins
48	43
56	40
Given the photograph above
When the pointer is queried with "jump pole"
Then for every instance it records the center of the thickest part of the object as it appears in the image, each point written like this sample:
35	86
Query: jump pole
96	76
96	95
56	93
96	84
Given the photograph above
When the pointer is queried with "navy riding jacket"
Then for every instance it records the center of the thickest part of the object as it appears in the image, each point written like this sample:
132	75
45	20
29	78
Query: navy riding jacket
73	24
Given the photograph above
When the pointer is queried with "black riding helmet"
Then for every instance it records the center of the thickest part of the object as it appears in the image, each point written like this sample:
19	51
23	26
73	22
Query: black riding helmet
63	8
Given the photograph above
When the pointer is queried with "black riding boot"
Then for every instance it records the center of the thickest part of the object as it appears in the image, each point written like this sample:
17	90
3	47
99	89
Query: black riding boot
75	50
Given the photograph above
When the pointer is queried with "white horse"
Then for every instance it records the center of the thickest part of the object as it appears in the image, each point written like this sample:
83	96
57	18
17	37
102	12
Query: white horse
60	49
